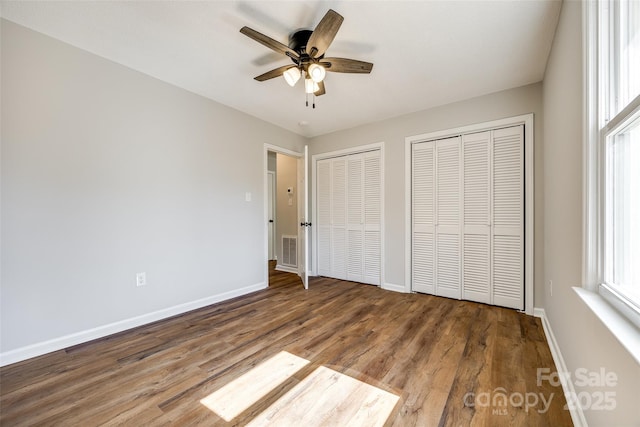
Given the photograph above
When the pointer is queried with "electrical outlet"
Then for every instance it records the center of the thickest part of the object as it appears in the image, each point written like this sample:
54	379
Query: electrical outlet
141	279
551	287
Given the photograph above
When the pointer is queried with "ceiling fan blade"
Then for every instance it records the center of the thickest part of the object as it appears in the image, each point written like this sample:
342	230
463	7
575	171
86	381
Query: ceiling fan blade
344	65
324	34
273	73
321	90
269	42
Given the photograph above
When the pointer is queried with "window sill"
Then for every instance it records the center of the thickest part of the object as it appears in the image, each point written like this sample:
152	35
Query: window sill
622	328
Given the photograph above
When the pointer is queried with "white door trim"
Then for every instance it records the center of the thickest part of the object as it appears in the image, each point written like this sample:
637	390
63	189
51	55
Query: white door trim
265	195
314	211
527	121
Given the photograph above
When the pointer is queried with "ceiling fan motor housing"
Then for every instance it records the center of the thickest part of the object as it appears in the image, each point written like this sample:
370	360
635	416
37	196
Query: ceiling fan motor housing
298	40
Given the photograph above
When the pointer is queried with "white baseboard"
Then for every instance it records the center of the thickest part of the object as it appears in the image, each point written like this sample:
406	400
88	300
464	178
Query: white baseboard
286	269
394	287
577	416
38	349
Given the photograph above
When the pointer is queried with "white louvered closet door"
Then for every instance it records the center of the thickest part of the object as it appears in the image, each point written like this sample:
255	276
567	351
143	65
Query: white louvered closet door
349	206
476	253
355	218
372	217
324	217
468	217
339	218
423	217
448	210
508	217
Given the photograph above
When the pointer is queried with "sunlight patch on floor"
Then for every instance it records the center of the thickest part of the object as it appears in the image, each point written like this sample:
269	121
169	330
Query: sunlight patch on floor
327	397
229	401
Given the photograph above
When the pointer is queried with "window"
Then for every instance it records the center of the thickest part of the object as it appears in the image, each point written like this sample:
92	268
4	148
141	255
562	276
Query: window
613	152
622	212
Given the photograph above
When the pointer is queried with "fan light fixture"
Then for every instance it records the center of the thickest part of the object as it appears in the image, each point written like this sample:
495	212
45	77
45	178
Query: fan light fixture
307	50
317	72
292	75
310	86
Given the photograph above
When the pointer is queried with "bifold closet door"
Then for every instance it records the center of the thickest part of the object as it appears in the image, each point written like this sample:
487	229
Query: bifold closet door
355	218
508	217
338	249
448	210
436	199
349	214
423	237
468	217
332	226
476	255
323	176
372	192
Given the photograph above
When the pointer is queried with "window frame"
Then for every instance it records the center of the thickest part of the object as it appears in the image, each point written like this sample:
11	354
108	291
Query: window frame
598	19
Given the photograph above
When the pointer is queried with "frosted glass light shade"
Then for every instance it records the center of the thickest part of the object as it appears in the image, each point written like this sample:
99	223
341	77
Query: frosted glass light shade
310	86
292	75
317	72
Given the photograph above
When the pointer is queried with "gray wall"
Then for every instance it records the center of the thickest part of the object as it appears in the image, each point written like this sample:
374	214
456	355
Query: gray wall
107	172
514	102
583	340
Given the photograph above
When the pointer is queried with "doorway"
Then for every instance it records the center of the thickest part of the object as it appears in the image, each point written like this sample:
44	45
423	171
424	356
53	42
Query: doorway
285	212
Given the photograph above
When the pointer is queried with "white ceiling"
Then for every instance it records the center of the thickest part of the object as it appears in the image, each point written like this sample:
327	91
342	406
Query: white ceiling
425	53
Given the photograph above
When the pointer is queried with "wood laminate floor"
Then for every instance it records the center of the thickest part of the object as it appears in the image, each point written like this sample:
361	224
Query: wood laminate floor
450	363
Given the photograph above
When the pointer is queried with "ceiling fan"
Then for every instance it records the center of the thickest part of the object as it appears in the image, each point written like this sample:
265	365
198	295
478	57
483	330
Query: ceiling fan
306	49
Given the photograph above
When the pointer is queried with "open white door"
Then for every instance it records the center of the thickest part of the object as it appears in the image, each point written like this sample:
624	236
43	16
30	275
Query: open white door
303	214
271	193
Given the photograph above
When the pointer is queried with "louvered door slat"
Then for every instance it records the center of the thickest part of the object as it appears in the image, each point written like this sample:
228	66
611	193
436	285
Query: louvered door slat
508	217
